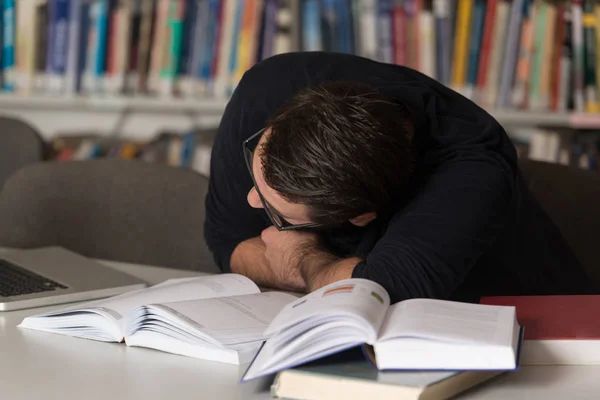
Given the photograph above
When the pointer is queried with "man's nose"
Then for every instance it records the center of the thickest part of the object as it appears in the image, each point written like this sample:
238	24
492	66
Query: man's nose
254	199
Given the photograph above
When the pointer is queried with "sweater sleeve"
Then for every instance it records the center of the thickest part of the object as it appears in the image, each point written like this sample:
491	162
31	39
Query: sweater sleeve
465	196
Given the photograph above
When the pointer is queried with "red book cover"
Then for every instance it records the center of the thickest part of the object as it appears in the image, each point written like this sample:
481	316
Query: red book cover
486	43
555	317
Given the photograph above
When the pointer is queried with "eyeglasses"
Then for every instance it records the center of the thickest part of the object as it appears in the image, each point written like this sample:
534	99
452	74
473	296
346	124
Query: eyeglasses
278	221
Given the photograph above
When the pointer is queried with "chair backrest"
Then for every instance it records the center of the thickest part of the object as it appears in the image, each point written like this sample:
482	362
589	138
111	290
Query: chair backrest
571	198
119	210
20	144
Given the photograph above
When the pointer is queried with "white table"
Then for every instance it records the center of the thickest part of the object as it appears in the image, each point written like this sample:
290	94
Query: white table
37	365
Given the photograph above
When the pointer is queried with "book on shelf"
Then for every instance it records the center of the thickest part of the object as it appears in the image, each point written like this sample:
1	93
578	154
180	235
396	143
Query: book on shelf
558	329
357	380
220	318
415	334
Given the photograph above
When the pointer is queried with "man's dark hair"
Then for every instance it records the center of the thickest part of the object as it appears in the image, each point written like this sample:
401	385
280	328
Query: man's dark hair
340	148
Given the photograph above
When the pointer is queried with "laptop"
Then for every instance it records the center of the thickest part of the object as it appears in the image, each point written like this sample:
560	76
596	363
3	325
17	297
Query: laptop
54	275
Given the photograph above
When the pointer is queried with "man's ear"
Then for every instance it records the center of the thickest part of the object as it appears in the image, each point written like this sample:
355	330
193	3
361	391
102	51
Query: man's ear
364	219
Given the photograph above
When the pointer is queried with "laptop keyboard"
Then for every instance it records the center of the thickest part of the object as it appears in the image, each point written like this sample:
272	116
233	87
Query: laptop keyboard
15	280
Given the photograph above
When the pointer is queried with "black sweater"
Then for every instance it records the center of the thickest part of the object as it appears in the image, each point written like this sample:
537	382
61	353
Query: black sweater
470	227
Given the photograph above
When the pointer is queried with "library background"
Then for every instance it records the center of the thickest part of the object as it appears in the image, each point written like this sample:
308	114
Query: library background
149	79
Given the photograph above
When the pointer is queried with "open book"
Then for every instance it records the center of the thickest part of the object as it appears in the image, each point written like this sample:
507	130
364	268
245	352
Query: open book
221	318
421	334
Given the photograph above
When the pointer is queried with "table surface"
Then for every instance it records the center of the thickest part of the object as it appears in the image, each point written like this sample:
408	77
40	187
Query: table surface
39	365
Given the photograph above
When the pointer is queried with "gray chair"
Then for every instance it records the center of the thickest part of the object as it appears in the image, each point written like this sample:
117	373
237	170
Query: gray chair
571	198
20	145
120	210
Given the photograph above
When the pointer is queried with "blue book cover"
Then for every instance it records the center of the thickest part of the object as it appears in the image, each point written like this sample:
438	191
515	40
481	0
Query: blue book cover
188	38
8	44
476	37
384	31
58	38
311	26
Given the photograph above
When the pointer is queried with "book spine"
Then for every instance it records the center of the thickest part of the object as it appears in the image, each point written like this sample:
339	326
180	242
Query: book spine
443	40
25	47
412	44
244	42
399	28
184	70
523	74
565	99
201	41
57	65
311	32
74	36
329	21
427	53
384	31
147	37
226	43
589	27
175	38
578	55
159	45
133	41
8	44
486	47
461	44
556	58
269	30
345	40
547	57
41	44
510	54
82	49
367	32
475	47
537	59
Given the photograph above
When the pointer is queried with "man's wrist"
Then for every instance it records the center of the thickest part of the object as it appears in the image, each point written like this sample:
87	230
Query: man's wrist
319	268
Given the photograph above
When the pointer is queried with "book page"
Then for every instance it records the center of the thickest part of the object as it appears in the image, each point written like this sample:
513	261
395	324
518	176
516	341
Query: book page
203	287
360	298
221	321
449	321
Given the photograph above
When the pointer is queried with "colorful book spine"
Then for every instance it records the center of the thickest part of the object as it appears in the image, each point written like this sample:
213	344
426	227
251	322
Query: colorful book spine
58	38
367	28
443	40
210	53
538	55
509	58
268	30
578	55
133	43
555	86
41	45
520	91
311	32
590	54
185	75
461	44
200	42
170	66
75	36
486	48
147	34
545	74
475	47
25	47
384	31
345	34
235	44
567	83
399	29
490	91
427	53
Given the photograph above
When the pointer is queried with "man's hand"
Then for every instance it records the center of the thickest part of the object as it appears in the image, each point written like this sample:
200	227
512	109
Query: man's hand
284	251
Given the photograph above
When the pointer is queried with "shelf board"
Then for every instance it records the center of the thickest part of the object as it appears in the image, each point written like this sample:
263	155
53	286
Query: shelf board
211	106
115	104
546	119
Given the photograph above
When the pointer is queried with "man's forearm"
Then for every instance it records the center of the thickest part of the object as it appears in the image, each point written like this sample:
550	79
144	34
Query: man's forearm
248	259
